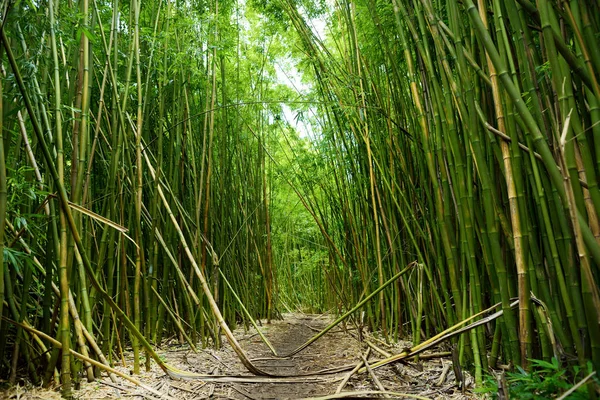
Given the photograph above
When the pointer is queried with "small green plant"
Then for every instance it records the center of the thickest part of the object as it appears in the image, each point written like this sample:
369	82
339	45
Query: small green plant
546	380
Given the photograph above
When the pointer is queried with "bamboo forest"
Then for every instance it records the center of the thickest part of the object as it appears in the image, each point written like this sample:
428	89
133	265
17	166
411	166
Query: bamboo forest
283	199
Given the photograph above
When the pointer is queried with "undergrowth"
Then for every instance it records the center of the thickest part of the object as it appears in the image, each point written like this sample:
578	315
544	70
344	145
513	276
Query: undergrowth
546	380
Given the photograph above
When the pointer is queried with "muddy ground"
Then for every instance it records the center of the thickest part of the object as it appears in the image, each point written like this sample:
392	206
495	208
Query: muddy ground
432	379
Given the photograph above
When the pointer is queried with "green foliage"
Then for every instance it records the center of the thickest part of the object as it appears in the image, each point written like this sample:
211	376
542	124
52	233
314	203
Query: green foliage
545	380
23	193
16	258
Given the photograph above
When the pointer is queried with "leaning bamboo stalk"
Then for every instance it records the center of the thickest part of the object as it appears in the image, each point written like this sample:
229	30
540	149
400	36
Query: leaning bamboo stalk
347	377
3	198
432	342
206	289
350	312
247	313
579	384
176	321
177	269
95	363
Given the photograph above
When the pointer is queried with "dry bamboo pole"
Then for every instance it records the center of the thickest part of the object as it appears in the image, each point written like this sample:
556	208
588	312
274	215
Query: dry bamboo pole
205	287
349	312
520	257
262	336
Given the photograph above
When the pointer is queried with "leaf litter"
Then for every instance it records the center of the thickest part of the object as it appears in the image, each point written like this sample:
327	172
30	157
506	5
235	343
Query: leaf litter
315	372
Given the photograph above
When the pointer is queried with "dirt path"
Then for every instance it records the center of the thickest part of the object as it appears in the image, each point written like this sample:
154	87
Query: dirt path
336	349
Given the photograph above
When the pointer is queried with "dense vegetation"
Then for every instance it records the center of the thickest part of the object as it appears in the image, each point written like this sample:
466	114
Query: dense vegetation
152	173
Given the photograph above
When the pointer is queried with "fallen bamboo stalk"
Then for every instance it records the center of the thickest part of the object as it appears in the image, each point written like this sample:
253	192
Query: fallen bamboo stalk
349	374
256	379
432	355
421	357
370	393
351	311
442	337
374	377
377	349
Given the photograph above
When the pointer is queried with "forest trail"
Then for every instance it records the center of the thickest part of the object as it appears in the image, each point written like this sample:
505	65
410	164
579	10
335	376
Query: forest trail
338	348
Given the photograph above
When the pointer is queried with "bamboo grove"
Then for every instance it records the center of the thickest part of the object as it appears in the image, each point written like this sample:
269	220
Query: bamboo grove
134	175
150	190
464	137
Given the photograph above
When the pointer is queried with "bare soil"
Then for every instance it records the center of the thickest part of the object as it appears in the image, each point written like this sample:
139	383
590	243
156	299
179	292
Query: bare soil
433	379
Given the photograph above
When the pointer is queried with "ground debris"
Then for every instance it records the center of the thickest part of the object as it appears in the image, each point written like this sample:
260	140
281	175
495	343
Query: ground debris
429	378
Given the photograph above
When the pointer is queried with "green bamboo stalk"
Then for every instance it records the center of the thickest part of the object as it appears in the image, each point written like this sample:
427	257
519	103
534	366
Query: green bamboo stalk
3	204
139	255
59	178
